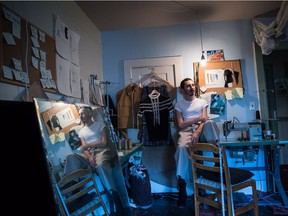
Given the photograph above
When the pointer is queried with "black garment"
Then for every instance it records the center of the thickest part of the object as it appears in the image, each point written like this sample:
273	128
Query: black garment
228	77
162	89
112	110
158	126
141	189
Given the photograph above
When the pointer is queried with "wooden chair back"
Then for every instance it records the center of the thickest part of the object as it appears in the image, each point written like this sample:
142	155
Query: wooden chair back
212	174
79	194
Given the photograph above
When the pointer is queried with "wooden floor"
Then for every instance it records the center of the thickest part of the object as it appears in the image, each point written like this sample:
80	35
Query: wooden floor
166	205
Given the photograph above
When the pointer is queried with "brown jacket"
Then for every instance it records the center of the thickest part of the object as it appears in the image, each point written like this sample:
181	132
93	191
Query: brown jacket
128	100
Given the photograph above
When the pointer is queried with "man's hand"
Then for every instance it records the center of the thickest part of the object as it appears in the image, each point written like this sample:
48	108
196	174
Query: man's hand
203	118
92	161
195	137
84	146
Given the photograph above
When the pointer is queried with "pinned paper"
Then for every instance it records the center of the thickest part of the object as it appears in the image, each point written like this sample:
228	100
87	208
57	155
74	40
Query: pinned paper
234	93
228	95
203	89
238	92
55	138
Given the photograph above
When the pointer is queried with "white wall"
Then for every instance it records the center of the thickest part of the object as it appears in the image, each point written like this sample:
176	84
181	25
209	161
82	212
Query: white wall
42	14
234	37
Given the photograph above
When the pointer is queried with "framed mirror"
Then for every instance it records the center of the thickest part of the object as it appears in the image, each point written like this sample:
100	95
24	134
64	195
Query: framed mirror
78	136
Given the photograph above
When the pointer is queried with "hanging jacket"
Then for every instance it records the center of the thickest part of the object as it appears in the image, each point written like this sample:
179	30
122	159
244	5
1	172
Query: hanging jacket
128	100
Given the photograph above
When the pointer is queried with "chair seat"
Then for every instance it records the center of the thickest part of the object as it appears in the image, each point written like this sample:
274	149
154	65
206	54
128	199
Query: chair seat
237	175
213	184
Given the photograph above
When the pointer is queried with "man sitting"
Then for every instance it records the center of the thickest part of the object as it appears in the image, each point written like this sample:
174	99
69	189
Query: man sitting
194	126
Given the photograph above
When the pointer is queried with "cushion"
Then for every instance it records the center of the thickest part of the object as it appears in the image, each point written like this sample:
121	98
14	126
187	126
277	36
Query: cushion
237	175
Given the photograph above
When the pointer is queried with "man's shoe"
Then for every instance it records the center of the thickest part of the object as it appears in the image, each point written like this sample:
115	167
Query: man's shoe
182	196
181	204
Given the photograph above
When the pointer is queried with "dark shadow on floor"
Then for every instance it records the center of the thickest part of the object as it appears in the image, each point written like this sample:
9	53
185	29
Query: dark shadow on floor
166	205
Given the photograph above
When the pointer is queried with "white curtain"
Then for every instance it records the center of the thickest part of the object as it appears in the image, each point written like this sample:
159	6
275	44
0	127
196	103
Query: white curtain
269	32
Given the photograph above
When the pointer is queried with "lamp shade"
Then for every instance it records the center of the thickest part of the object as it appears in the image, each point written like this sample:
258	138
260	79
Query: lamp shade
203	60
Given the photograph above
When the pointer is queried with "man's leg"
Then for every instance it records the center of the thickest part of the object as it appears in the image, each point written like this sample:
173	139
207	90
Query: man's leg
182	196
210	133
74	162
183	166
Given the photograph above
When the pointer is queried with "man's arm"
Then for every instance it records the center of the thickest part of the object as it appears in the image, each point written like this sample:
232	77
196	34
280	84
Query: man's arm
98	144
183	124
204	118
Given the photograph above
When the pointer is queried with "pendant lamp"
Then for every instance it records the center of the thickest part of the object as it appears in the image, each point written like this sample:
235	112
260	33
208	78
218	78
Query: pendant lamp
203	60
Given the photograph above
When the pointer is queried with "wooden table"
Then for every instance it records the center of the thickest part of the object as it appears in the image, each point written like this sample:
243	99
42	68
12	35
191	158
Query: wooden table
124	155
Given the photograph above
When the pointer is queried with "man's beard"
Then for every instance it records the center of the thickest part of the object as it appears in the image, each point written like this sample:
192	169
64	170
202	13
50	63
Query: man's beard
190	93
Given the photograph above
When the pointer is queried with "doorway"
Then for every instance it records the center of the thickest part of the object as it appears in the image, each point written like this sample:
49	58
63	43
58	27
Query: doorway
272	73
159	160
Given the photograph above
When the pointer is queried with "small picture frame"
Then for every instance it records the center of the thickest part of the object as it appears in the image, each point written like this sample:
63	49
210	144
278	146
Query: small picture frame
74	140
215	55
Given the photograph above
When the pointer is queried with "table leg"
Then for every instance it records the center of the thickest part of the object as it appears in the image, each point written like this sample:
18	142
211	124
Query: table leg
274	171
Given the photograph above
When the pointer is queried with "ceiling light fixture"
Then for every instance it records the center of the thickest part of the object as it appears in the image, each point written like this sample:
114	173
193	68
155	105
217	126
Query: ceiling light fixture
203	60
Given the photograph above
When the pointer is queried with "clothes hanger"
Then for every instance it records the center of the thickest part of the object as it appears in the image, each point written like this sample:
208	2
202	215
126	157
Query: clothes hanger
154	92
153	75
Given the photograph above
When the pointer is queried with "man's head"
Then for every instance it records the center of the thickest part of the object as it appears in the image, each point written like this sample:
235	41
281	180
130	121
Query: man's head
85	113
188	87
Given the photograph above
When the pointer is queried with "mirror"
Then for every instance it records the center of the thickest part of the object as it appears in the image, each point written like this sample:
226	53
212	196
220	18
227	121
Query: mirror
64	128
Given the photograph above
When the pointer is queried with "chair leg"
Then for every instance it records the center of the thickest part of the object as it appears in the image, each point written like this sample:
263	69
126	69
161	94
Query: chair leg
255	199
196	204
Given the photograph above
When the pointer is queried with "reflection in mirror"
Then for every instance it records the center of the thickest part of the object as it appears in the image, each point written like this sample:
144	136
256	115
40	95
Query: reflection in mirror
78	136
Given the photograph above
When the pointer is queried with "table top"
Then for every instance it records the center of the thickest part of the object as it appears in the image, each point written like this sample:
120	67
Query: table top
253	143
124	155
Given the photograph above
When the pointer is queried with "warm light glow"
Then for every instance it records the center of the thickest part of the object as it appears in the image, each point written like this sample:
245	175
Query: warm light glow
203	60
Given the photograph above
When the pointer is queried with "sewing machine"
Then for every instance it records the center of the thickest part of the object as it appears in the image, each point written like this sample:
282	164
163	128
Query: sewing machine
250	131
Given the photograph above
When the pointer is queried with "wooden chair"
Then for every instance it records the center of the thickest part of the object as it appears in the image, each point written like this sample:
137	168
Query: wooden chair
207	177
79	195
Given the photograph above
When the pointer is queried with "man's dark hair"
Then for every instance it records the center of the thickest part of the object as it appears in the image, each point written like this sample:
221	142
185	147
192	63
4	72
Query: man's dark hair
87	109
182	84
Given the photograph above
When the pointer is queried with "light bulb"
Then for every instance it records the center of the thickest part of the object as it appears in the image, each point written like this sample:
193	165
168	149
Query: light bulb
203	60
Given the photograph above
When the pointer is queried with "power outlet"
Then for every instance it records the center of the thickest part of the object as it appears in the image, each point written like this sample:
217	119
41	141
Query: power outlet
252	105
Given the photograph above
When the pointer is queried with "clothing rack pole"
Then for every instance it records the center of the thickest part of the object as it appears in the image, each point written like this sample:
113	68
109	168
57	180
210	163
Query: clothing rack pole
107	118
106	83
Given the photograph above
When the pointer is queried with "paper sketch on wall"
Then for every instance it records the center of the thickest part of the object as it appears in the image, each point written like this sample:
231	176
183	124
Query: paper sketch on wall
219	78
218	104
214	78
67	42
208	98
65	117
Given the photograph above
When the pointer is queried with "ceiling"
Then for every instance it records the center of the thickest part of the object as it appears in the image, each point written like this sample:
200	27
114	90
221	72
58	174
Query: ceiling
122	15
